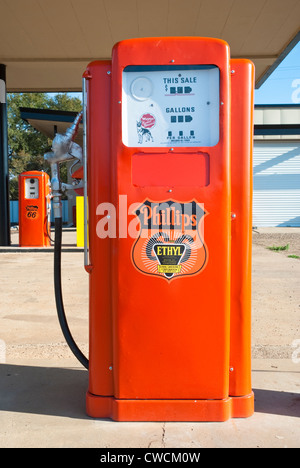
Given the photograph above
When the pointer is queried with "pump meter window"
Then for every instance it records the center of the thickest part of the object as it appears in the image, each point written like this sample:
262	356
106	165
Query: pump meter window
31	188
170	106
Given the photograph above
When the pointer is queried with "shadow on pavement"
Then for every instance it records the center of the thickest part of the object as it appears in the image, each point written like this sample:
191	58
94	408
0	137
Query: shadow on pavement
61	392
43	390
277	402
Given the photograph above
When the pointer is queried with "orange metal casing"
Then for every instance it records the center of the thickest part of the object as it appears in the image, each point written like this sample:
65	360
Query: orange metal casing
99	191
34	222
163	332
242	94
158	350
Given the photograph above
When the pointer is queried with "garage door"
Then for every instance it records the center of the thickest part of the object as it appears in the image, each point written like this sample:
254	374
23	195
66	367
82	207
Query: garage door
276	183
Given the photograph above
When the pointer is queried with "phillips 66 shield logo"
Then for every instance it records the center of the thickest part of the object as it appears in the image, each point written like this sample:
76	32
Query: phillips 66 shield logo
170	243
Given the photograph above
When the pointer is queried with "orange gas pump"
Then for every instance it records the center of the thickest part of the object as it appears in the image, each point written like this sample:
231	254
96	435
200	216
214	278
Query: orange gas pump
34	209
167	176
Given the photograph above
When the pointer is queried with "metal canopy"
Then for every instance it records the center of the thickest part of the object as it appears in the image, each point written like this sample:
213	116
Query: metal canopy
46	45
49	122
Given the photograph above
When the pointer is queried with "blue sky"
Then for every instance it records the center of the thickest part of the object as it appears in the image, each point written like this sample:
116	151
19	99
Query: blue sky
283	85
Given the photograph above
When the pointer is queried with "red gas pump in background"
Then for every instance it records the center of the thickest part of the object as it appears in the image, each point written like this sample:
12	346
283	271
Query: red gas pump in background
167	183
34	209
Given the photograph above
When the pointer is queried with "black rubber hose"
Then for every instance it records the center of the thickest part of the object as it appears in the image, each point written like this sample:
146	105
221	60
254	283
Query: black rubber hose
58	296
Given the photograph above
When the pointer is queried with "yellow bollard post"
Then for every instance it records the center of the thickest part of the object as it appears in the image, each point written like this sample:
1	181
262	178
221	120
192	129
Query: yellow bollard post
80	221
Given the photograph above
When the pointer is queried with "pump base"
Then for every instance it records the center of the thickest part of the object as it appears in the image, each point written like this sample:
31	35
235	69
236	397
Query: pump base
169	410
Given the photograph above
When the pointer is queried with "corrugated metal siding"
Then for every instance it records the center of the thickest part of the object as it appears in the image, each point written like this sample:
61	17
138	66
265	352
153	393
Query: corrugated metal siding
276	184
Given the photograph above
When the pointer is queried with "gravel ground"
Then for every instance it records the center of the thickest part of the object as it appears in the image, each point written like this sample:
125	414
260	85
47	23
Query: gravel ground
278	237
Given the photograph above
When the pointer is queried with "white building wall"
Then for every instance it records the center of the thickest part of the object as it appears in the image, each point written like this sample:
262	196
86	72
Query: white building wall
276	183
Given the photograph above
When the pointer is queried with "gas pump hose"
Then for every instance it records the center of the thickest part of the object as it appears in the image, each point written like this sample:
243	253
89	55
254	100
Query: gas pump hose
58	296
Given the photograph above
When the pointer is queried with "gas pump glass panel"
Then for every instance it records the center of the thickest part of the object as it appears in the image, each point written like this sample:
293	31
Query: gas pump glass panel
174	106
31	188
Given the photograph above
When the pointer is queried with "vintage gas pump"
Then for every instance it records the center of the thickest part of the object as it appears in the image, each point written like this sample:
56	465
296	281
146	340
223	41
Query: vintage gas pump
34	209
167	175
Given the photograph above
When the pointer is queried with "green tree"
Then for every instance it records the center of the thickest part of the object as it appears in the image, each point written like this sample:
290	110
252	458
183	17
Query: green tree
26	145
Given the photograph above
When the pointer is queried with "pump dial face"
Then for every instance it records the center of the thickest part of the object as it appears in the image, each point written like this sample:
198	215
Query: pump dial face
141	88
32	188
